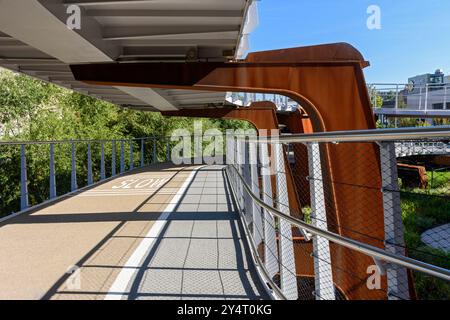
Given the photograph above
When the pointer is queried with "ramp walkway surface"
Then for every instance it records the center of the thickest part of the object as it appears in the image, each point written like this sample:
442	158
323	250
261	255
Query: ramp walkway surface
161	232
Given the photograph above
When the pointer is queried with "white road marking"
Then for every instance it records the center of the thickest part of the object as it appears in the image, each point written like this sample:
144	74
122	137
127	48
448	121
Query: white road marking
118	288
127	193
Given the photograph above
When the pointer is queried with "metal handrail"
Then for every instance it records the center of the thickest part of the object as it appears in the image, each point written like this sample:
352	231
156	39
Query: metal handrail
276	290
398	134
41	142
395	85
374	252
15	143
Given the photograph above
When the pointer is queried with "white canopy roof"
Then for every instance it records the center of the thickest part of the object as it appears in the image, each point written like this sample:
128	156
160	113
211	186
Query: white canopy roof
35	40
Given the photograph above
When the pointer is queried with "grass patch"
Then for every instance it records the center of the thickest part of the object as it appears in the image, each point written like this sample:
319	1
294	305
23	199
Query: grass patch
423	210
439	182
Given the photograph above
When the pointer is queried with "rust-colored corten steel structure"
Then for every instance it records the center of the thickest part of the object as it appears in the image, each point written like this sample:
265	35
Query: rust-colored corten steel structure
328	82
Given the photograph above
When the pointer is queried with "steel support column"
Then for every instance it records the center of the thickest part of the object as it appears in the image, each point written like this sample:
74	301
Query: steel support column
142	152
168	151
90	179
23	179
102	162
73	176
113	158
155	153
122	156
131	156
52	172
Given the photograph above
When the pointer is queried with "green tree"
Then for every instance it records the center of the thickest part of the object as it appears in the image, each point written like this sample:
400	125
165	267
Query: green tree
33	110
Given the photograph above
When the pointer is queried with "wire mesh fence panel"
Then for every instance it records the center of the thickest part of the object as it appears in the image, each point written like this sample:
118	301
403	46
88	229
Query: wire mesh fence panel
371	195
424	186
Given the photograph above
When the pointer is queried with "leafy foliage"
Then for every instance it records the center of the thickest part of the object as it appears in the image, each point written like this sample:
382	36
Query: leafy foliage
32	110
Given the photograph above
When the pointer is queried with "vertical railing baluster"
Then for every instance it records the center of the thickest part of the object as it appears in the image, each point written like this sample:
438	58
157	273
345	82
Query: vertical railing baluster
420	98
397	92
122	156
102	162
270	241
73	176
374	97
445	98
198	145
90	179
248	203
324	286
142	152
256	210
168	150
113	158
155	153
52	172
230	156
397	275
239	162
23	179
287	259
131	156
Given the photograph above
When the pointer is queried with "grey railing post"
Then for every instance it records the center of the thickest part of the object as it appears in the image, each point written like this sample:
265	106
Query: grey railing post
397	276
168	151
102	162
52	172
374	97
23	179
113	158
420	98
236	164
155	153
131	156
445	98
231	151
270	241
73	177
142	152
397	97
287	258
324	286
122	156
90	179
233	161
248	202
239	161
256	210
198	147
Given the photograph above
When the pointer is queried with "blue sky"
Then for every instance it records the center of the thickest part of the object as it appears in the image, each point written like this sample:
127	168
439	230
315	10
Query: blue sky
414	36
